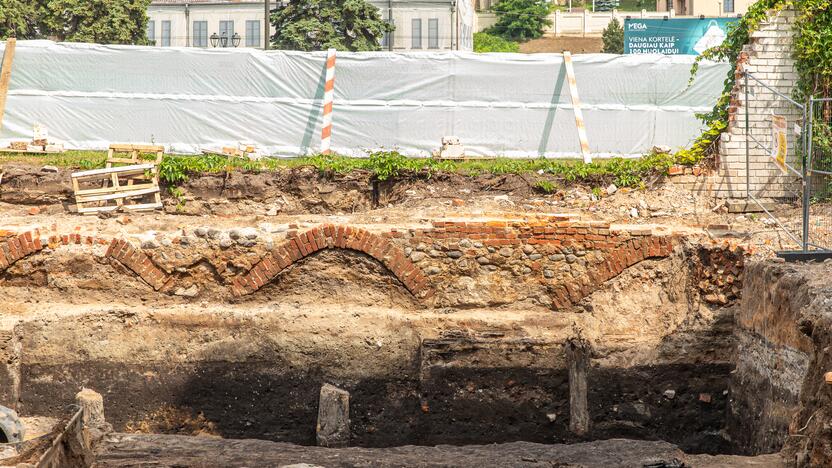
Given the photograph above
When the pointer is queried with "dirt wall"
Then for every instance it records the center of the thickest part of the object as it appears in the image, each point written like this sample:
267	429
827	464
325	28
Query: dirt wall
253	367
772	356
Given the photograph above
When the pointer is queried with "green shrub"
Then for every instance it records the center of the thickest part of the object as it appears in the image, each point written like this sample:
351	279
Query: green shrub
521	19
484	42
613	37
546	186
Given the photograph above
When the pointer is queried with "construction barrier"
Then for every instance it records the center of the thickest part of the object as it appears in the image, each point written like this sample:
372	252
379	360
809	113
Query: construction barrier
513	105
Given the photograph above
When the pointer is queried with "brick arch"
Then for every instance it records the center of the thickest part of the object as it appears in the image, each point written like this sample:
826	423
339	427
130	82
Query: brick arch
333	236
16	248
623	256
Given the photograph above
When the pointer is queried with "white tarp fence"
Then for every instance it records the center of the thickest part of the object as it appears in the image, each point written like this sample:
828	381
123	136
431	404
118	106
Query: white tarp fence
513	105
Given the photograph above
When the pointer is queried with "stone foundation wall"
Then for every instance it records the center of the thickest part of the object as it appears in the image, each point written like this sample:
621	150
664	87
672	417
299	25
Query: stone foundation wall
552	262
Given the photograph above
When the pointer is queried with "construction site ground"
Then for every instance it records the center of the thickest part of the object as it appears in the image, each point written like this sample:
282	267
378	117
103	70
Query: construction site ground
30	196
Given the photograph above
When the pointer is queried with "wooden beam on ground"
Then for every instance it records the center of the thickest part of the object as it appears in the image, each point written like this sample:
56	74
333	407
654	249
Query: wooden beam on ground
6	74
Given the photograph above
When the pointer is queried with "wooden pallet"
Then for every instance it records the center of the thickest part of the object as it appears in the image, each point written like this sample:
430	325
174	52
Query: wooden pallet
119	187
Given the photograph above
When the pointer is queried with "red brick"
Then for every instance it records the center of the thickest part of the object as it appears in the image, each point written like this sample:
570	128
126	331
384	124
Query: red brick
15	249
293	250
300	247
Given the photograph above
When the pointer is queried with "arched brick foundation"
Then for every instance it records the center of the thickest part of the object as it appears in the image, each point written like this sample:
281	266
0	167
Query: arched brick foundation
616	251
331	236
18	247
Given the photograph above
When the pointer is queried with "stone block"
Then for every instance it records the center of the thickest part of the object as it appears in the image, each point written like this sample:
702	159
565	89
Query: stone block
333	428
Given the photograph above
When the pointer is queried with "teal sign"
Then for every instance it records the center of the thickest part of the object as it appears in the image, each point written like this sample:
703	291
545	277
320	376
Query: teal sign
674	36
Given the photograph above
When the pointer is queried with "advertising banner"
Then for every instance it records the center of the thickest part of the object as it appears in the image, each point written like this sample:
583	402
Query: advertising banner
674	36
779	141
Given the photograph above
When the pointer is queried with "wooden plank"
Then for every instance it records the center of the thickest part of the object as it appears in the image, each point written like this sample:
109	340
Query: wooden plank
75	188
6	74
107	170
97	191
9	150
140	148
137	207
123	160
117	195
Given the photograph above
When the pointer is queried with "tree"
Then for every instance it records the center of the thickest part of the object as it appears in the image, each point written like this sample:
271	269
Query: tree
613	37
321	24
521	19
99	21
17	16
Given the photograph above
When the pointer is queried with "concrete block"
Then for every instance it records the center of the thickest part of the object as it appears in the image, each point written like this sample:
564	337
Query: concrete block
333	428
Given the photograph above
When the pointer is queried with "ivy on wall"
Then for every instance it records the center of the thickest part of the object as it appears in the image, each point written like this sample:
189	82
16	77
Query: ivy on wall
739	33
813	63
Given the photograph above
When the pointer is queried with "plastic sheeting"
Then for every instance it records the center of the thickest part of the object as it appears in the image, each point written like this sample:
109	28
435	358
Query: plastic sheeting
511	105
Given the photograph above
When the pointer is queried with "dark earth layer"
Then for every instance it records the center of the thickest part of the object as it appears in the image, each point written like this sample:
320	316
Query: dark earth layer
265	400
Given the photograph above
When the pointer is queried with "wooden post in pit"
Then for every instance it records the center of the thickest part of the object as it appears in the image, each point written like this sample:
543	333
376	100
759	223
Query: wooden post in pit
577	358
6	74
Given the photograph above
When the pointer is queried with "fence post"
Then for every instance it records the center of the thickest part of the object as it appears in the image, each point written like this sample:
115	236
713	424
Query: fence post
747	151
807	173
6	74
329	95
576	106
585	23
558	20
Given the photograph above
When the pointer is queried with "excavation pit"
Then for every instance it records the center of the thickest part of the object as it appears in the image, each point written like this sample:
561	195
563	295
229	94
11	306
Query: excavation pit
460	328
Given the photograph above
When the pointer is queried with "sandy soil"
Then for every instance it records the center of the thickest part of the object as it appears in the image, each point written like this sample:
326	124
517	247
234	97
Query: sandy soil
576	45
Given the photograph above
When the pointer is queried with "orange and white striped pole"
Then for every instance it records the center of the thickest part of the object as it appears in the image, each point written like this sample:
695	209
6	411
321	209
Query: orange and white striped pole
329	95
576	106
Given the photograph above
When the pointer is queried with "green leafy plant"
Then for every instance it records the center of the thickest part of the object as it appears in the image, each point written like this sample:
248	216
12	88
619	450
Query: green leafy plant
613	37
354	25
484	42
546	186
521	19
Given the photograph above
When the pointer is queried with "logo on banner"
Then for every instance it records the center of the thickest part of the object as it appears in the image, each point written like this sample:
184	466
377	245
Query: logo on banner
779	141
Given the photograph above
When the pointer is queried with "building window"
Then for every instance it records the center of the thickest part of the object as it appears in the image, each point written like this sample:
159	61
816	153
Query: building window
200	34
416	33
669	5
226	30
253	33
728	6
151	32
433	33
165	33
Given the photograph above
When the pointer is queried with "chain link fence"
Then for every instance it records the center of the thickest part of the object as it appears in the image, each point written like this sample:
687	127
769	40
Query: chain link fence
788	163
819	190
774	155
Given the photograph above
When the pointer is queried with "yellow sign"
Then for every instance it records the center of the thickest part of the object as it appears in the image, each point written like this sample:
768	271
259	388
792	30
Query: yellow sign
779	141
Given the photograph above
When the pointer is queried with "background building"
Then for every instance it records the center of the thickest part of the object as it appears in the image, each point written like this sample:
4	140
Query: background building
420	25
705	7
